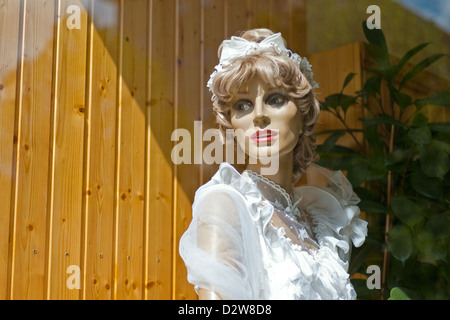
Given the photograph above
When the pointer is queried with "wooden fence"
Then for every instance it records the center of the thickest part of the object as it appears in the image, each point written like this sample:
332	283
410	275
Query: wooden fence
88	103
90	93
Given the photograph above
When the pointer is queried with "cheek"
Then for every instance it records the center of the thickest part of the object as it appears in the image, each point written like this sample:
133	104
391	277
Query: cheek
234	123
239	128
297	124
241	125
292	121
291	124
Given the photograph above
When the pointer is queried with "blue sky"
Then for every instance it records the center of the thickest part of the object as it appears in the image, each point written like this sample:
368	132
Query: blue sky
434	10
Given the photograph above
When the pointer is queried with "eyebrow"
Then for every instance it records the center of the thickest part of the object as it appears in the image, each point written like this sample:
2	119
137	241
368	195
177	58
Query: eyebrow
243	91
268	90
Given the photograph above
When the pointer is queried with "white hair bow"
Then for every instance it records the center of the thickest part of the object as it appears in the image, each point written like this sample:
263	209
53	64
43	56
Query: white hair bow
238	47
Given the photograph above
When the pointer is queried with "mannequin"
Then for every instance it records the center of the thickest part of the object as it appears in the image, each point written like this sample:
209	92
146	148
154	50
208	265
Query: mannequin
254	236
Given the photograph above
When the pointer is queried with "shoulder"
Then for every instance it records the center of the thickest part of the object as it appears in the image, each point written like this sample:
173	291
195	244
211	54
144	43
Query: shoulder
226	192
333	207
227	182
226	175
216	198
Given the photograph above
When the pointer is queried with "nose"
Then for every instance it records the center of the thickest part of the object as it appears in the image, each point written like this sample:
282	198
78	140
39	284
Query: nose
260	119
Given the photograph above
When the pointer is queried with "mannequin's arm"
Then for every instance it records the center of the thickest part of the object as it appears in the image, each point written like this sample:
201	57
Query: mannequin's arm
204	294
218	215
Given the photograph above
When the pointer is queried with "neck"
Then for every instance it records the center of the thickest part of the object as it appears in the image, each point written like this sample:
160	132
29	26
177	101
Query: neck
283	176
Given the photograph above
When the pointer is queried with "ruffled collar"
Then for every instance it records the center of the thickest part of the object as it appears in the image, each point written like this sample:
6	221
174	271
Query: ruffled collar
255	185
274	193
286	206
331	209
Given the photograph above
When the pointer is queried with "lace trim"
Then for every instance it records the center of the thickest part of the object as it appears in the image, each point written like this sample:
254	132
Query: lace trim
273	185
291	211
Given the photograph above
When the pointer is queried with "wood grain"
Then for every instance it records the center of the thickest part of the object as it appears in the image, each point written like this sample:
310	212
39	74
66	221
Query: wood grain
131	152
187	110
159	167
100	151
86	117
29	248
10	44
67	151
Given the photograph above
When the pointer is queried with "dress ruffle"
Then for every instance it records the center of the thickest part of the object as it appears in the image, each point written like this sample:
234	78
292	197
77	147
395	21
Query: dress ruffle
269	265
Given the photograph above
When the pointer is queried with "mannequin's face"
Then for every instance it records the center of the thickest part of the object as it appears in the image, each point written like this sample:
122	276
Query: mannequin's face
266	118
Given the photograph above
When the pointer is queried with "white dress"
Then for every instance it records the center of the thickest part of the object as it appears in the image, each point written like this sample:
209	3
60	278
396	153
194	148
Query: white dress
233	249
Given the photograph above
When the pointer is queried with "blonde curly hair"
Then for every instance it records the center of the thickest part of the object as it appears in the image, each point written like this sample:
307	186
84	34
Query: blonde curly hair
278	71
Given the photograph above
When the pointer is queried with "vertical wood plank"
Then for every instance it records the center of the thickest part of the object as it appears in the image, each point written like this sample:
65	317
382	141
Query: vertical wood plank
214	34
9	50
131	179
281	18
32	153
68	147
260	13
297	36
238	16
159	179
100	150
331	78
142	200
188	111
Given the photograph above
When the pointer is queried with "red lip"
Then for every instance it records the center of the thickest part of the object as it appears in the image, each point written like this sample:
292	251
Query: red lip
264	135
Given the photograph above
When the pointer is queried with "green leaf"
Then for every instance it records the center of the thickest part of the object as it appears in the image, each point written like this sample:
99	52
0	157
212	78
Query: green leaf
426	186
402	99
338	157
439	226
386	71
375	36
371	206
382	119
358	174
330	142
440	127
377	168
358	257
440	99
407	211
434	159
420	135
332	101
365	194
346	101
443	141
323	106
396	157
373	138
348	78
410	54
364	293
380	56
431	248
400	242
372	86
339	100
419	67
398	294
342	150
420	120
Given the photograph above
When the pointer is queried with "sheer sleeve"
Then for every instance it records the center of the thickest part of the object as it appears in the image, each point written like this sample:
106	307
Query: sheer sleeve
330	198
218	255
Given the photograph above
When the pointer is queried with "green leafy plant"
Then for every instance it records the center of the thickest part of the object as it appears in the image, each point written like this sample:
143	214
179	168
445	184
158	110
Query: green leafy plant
400	169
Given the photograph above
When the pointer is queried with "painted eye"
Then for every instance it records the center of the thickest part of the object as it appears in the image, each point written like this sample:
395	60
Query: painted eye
243	105
277	100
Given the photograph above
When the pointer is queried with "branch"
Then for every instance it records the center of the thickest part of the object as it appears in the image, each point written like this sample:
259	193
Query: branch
349	130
